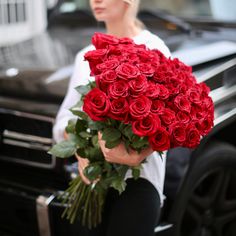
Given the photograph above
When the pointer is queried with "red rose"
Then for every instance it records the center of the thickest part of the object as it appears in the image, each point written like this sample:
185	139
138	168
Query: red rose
120	58
126	40
144	55
192	137
204	126
96	55
205	89
190	80
157	106
146	69
109	76
197	113
162	73
183	117
173	90
122	52
132	57
114	52
160	55
128	55
178	134
127	71
173	85
146	126
182	103
138	85
119	109
96	104
164	92
108	65
105	79
118	89
167	116
179	65
160	141
194	95
128	50
100	40
207	102
141	47
181	75
100	84
183	88
140	107
94	58
152	90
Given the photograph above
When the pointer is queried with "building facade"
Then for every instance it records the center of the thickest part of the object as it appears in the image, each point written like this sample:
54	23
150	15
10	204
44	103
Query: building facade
21	20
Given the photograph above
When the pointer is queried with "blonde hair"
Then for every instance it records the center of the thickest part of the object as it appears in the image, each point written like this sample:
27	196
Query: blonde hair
133	10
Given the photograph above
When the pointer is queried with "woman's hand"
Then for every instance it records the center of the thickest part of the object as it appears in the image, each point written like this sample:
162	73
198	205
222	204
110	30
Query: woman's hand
120	155
82	164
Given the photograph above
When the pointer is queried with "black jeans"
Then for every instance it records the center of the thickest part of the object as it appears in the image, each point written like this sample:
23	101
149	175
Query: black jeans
133	213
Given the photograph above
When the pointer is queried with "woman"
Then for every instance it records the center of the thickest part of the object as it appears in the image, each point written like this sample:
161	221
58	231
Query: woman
136	210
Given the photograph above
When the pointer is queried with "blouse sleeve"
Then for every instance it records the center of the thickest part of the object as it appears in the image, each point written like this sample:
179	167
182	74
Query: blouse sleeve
80	76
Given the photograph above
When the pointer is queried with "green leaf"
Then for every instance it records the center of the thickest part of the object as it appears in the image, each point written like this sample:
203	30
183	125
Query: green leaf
76	107
95	141
73	138
83	89
127	145
107	167
92	84
77	112
64	149
119	184
93	171
128	132
82	143
114	123
121	170
161	153
85	134
80	104
70	128
111	134
81	125
139	142
136	172
94	154
104	184
81	152
111	144
96	125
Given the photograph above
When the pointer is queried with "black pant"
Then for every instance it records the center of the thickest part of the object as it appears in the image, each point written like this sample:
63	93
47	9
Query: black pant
133	213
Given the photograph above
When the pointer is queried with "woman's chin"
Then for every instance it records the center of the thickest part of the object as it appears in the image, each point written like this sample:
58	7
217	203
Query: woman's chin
99	17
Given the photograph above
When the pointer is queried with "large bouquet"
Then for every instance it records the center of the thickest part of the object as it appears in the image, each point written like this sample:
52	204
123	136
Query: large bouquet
139	97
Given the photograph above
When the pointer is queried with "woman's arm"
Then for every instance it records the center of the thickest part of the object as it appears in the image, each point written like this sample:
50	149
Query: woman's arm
80	76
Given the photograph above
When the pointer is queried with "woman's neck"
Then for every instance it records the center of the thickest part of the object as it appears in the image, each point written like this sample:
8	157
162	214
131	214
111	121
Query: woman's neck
123	29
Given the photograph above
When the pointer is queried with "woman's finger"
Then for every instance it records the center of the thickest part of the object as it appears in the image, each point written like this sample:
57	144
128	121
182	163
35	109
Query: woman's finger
85	180
65	135
82	164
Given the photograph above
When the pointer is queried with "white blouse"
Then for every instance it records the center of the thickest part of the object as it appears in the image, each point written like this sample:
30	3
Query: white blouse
154	169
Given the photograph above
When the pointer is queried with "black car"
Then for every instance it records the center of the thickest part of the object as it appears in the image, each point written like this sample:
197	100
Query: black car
199	186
